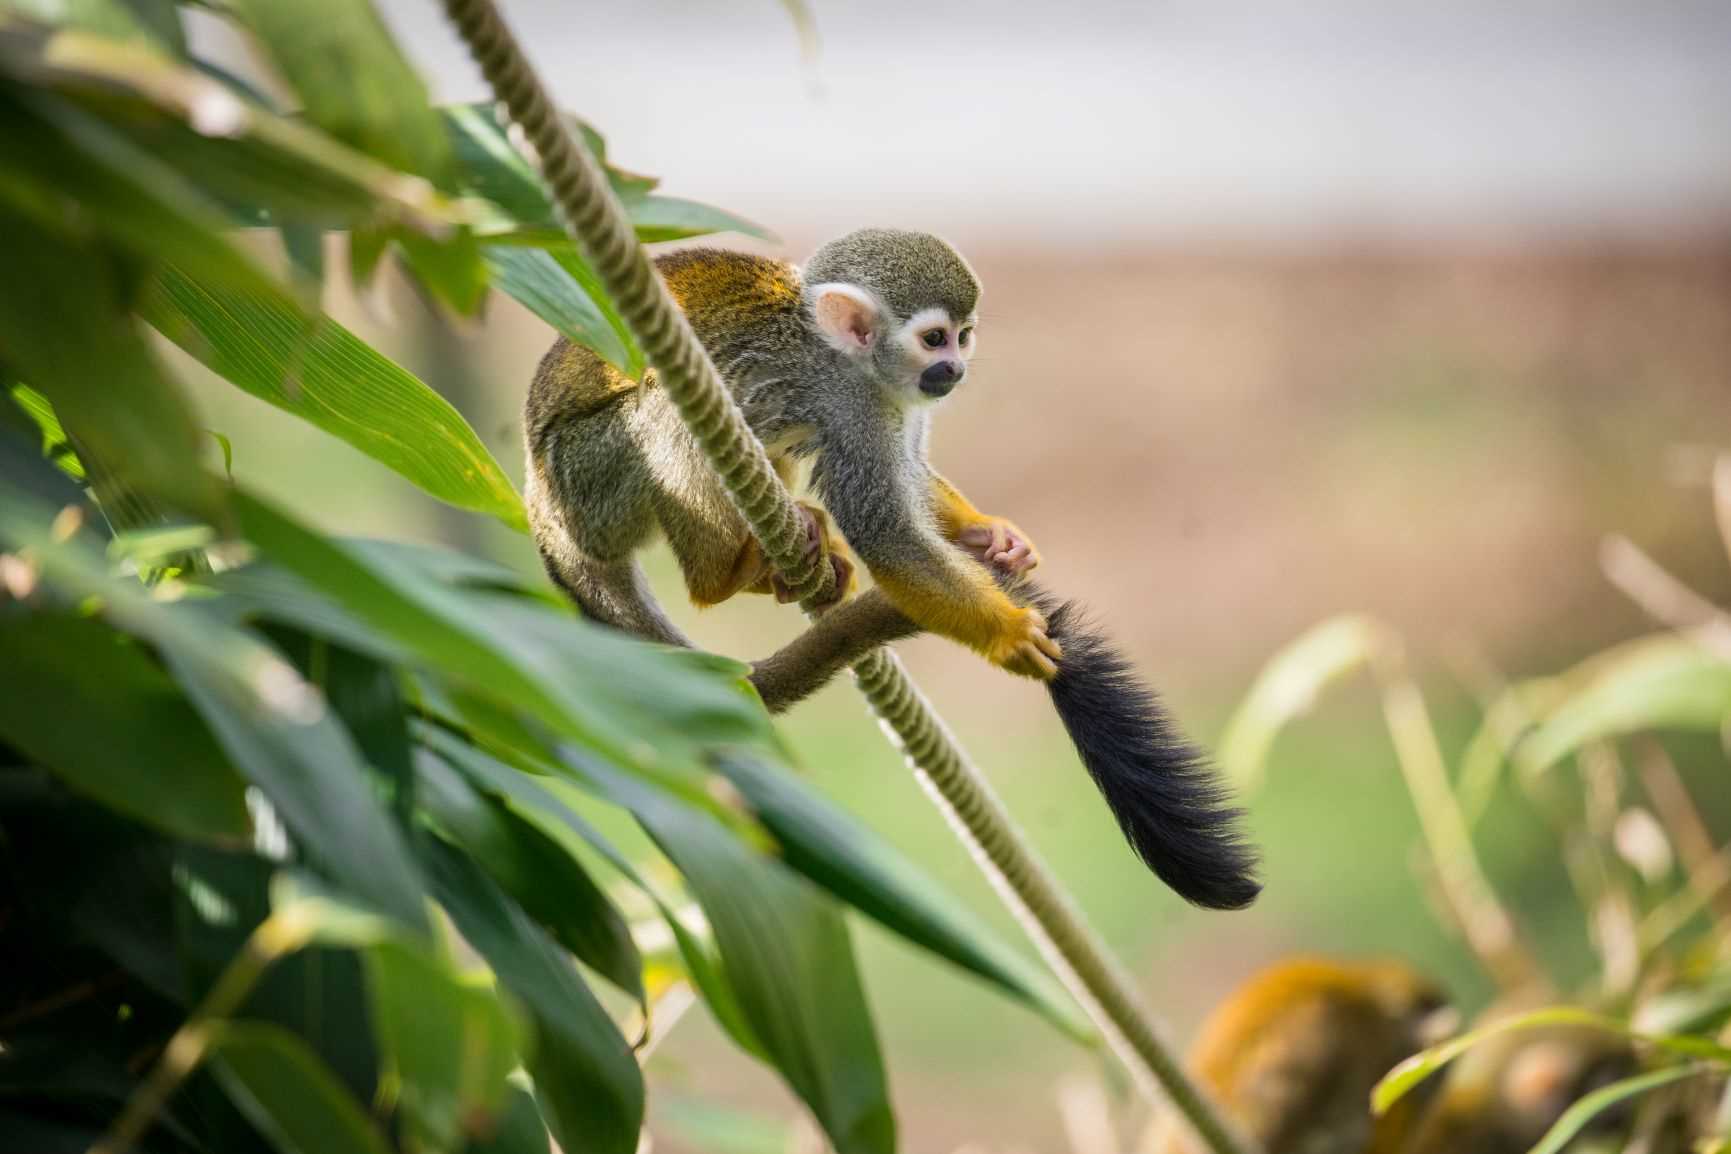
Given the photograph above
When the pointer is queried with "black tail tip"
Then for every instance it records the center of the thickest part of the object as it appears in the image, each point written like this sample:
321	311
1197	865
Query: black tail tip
1171	803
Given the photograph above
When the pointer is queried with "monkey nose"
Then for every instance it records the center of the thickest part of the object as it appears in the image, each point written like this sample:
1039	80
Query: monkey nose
940	377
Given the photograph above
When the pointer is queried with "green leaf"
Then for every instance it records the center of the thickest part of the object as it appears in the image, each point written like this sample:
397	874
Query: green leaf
1576	1117
535	803
853	863
268	168
786	953
1409	1073
450	267
276	730
662	218
355	83
284	1090
585	1076
154	20
451	1043
1288	687
331	378
148	442
546	282
70	164
55	445
102	716
488	165
655	710
1660	682
536	871
519	1129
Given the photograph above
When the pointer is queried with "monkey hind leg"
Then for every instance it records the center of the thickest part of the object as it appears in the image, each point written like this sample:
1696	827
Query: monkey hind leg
614	593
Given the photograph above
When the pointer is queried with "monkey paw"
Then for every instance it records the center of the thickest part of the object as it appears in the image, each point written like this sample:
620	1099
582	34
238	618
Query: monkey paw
821	541
1027	651
996	542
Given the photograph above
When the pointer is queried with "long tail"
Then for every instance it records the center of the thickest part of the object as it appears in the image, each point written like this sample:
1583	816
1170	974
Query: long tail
1170	802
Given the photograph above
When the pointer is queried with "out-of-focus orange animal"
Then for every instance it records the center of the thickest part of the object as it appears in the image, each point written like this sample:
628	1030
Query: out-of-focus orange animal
1292	1054
1501	1096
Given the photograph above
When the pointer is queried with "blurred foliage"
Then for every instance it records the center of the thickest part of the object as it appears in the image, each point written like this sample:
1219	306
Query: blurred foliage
290	847
1653	888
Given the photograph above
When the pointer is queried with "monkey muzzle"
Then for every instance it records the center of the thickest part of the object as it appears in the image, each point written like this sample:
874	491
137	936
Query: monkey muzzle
940	377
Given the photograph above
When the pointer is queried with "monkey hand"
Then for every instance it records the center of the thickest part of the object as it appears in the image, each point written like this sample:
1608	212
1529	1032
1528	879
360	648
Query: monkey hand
996	542
821	541
1025	649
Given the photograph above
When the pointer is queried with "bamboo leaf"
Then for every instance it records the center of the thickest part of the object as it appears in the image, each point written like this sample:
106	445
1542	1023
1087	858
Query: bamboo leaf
1660	682
1288	687
284	1090
329	377
850	861
275	729
102	716
352	79
786	953
1409	1073
585	1076
540	876
1577	1116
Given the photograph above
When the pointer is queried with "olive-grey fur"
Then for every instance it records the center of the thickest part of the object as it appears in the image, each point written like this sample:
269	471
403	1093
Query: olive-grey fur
610	464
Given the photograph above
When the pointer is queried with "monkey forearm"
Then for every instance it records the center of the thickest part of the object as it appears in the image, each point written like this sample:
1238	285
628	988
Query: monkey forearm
845	634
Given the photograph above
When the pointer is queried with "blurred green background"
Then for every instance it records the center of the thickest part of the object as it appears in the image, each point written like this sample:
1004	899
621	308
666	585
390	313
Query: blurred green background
1223	417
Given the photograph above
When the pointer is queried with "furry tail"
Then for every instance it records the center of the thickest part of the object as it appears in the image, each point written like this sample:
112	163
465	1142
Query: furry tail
1170	802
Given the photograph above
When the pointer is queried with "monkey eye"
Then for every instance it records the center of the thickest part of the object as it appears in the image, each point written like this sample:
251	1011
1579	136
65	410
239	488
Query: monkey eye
963	337
933	338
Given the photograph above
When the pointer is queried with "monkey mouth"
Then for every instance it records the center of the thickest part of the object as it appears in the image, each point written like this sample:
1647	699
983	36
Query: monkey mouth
935	390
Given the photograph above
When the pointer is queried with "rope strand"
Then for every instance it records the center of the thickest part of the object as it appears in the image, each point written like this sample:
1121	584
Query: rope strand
603	233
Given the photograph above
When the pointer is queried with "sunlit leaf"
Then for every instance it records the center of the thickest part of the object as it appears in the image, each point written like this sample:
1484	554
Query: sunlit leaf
545	281
326	375
489	165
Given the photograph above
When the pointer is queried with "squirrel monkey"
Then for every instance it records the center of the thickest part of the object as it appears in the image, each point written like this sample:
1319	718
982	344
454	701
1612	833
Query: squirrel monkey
1501	1096
1292	1054
840	364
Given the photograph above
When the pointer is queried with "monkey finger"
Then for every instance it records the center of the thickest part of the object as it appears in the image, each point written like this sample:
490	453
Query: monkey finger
975	535
1035	663
1047	646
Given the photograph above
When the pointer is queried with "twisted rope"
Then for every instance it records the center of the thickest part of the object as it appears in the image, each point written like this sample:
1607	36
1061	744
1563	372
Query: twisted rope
598	224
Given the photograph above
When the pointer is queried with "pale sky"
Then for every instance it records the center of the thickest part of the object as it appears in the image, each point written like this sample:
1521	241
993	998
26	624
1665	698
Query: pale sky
1094	124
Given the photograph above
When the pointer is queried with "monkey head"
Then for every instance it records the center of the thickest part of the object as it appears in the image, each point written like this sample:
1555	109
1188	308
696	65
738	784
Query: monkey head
899	306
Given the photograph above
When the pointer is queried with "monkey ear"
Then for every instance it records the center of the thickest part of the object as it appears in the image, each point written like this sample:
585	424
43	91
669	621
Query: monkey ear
847	315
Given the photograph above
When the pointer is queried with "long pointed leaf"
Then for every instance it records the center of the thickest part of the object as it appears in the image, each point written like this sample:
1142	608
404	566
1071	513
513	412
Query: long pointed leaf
331	378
